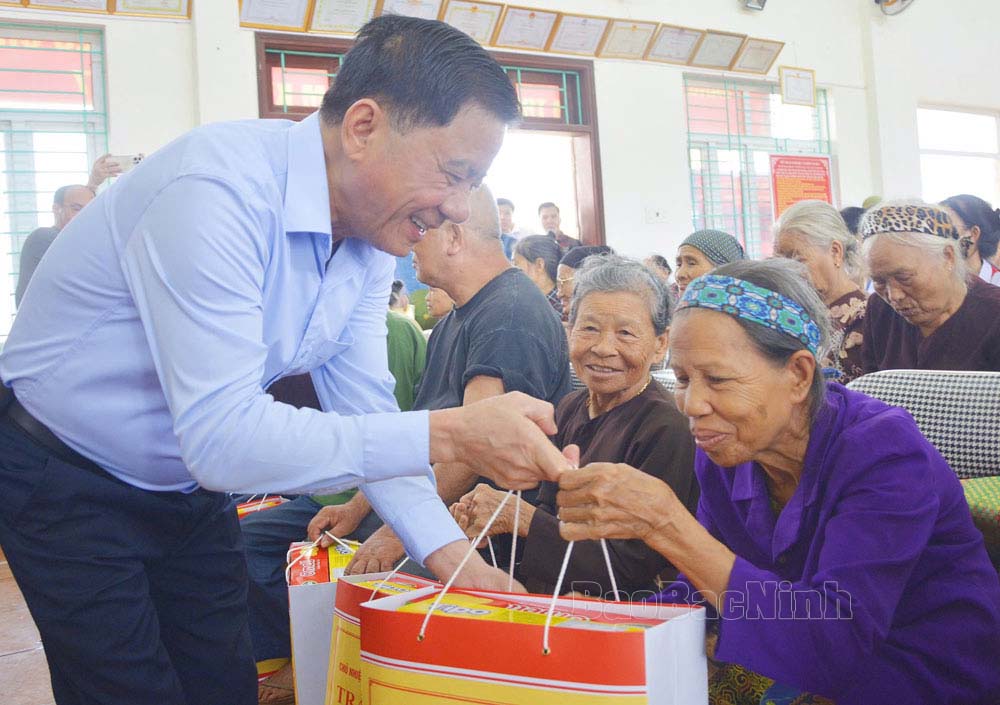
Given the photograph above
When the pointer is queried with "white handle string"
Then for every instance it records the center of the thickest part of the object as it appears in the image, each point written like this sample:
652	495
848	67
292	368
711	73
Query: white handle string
611	573
513	542
559	581
390	576
305	550
468	555
555	596
348	547
493	555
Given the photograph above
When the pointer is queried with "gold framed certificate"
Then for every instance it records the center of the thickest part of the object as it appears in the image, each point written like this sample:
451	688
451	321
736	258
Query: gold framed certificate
274	14
717	50
154	8
525	28
579	34
426	9
100	6
627	39
477	19
798	86
675	45
757	55
341	16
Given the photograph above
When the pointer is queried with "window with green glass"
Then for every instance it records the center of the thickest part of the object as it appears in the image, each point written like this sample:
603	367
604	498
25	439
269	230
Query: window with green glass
53	126
733	128
297	72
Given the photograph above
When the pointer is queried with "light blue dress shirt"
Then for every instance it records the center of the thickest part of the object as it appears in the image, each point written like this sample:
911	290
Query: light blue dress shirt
172	300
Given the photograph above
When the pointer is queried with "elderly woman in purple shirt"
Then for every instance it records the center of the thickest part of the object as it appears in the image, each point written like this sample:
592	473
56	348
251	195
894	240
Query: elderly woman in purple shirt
832	540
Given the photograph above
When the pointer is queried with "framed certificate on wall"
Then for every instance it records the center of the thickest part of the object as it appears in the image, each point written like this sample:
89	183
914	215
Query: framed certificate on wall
717	50
579	34
274	14
798	86
426	9
674	45
341	16
71	5
525	28
757	55
627	40
153	8
477	19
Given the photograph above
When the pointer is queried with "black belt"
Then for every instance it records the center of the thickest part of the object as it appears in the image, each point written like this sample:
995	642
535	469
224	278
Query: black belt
38	432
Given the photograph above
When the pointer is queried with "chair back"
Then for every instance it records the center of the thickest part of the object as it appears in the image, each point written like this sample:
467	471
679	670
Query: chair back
958	412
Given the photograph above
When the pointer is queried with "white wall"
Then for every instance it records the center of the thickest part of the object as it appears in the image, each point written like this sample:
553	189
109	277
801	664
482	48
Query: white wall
642	120
934	54
165	77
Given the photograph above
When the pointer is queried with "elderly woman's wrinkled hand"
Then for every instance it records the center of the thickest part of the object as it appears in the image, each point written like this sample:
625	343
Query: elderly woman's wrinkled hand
475	508
612	501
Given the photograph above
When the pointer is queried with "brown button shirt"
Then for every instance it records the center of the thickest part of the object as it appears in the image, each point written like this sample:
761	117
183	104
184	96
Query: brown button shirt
648	433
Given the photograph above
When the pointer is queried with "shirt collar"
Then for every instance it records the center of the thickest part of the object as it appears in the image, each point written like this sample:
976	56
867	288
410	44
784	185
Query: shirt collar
307	195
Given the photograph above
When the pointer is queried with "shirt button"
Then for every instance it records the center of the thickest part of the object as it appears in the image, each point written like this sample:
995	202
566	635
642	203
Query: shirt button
782	560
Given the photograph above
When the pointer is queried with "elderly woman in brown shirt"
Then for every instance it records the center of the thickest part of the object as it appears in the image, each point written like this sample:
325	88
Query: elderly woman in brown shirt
815	234
619	327
928	312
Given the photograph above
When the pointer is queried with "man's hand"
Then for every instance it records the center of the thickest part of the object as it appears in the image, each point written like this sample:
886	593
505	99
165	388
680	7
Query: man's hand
502	438
476	574
380	553
339	520
103	169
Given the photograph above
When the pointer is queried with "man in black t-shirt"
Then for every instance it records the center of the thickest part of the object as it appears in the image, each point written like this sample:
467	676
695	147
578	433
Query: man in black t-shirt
502	336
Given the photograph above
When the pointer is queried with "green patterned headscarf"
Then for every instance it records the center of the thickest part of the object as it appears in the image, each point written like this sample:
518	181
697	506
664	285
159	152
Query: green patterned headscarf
756	304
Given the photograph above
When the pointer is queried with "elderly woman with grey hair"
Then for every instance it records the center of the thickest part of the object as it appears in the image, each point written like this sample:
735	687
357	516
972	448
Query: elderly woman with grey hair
619	321
831	538
928	312
815	234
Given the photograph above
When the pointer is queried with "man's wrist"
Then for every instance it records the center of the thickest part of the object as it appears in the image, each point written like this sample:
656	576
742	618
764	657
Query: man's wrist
445	561
444	428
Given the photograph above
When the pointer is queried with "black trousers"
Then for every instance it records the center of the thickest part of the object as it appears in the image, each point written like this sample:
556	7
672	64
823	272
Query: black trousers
140	597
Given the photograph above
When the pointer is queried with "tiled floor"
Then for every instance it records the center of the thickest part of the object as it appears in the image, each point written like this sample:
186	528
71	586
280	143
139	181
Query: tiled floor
23	672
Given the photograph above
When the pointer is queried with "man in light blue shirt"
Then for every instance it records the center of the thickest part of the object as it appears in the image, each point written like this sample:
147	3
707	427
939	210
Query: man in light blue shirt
236	255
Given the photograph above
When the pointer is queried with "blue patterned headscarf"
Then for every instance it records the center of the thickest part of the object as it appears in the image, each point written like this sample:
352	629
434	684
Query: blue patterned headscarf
756	304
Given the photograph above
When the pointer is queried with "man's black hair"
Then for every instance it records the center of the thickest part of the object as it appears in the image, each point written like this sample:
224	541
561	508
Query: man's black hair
422	72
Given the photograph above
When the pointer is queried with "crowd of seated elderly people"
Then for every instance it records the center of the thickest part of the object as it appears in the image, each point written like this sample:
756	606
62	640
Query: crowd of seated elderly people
761	476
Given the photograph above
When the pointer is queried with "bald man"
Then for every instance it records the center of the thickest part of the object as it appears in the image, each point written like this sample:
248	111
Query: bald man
502	336
66	203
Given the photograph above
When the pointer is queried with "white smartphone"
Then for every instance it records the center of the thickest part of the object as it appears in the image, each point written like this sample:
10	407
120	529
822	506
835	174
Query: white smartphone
126	161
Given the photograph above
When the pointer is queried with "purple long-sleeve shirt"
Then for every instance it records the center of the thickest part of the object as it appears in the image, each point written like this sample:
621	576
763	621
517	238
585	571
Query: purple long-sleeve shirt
872	585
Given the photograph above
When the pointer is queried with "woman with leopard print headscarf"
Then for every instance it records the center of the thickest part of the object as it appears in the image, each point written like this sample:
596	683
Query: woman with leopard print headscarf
928	311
